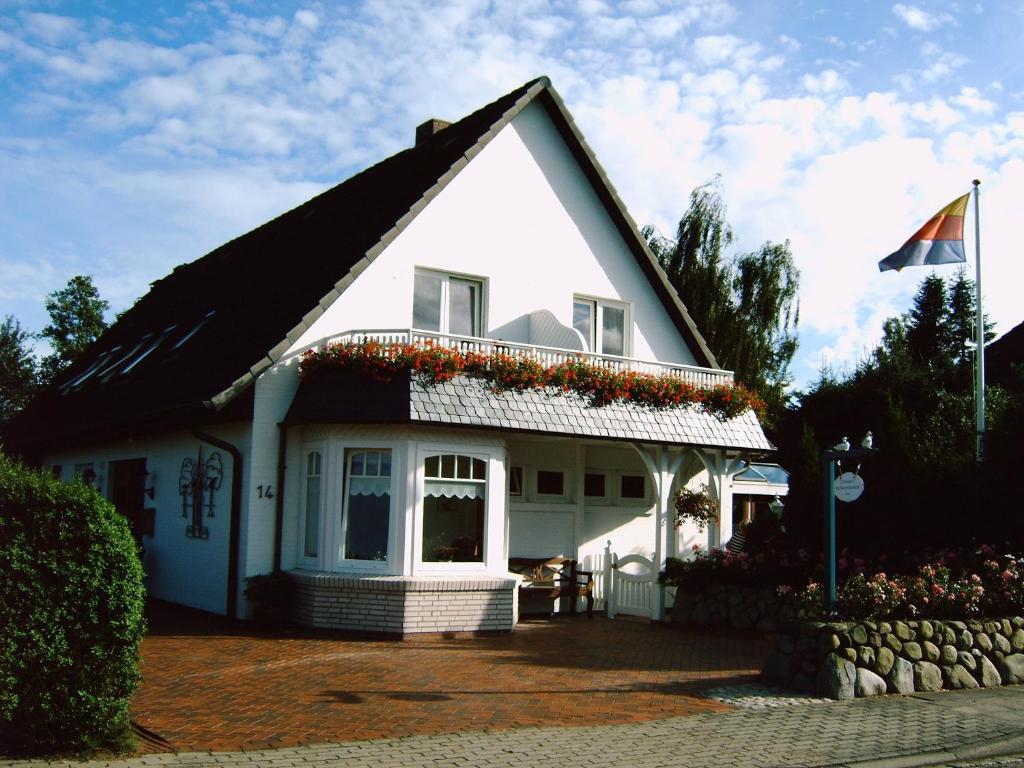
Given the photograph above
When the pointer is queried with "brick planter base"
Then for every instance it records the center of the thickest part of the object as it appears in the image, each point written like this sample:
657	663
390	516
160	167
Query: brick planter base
403	605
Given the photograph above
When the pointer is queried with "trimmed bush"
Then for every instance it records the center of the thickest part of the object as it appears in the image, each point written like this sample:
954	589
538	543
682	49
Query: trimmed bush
71	616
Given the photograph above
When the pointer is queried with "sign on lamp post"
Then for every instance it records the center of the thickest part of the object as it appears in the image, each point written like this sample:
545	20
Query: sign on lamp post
848	487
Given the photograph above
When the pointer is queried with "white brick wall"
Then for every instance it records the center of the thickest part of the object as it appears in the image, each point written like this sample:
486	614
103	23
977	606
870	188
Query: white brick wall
404	604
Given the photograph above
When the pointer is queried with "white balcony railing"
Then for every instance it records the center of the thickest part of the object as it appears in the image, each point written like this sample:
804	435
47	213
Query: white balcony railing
546	356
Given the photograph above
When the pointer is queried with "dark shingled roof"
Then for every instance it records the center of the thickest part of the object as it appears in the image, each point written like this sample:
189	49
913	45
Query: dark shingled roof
267	286
352	397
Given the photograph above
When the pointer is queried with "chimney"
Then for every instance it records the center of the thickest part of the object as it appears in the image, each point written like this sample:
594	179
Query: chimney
432	127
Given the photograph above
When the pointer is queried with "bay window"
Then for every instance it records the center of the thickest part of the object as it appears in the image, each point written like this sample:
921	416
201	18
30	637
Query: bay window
454	504
311	507
366	505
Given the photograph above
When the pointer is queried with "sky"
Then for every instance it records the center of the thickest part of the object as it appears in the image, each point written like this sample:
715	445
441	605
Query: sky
138	136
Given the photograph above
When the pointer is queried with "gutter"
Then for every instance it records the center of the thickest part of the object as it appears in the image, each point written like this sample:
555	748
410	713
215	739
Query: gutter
282	447
235	526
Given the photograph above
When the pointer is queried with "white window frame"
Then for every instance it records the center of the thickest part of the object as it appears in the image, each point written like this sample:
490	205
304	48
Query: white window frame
480	284
567	477
631	500
342	451
598	304
608	489
512	470
307	449
494	542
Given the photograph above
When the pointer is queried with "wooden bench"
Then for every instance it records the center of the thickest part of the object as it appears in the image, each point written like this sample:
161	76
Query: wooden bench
553	578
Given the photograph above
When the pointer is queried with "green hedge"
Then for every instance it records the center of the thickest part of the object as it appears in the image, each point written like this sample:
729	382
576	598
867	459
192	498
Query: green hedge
71	616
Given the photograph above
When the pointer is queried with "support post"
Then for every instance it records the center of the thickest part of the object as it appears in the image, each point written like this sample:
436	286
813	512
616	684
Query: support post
828	465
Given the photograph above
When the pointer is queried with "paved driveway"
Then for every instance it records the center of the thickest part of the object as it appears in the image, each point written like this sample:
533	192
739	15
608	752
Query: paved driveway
212	685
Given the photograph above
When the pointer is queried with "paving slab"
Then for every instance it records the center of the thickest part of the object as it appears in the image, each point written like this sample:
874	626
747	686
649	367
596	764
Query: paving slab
953	728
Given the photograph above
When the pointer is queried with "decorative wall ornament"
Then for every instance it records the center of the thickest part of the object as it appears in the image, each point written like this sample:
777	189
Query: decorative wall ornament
197	483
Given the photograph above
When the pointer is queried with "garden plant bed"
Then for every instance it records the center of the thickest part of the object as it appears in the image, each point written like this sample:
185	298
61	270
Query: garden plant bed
842	660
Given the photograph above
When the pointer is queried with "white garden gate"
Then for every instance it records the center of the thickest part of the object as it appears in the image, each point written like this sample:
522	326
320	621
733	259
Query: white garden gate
632	584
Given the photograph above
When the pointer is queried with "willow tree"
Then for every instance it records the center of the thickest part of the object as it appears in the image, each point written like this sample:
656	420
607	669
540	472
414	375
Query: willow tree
745	305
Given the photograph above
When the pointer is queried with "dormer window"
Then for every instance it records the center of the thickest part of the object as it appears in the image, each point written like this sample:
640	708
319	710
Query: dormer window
447	303
605	325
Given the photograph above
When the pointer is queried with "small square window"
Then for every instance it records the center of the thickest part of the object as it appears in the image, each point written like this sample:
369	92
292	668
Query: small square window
550	483
633	487
594	485
515	481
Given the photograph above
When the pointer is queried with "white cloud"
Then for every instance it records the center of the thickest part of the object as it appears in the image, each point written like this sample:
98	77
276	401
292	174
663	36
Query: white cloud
828	81
50	28
919	19
307	18
972	100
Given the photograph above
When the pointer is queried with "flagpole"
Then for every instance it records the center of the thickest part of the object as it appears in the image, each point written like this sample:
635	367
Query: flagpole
979	324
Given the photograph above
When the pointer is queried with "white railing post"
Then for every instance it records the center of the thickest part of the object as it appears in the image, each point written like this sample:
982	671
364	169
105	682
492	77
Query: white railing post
609	580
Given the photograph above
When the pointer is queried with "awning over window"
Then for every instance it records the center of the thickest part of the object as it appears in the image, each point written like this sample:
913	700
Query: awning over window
370	486
453	490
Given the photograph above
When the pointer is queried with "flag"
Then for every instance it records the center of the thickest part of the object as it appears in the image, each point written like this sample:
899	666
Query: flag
939	241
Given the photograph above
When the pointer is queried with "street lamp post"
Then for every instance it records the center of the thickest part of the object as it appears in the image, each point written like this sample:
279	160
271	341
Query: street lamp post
829	458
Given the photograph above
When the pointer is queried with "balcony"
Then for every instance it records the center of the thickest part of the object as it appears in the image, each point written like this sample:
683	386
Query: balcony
691	374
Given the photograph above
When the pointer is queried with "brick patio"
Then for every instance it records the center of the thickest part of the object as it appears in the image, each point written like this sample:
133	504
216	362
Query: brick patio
214	685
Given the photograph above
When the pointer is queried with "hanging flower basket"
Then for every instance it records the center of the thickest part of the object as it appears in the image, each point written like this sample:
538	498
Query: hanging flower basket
598	386
697	506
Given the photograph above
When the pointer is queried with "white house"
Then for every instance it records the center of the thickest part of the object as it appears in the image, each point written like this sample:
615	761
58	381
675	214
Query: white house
396	506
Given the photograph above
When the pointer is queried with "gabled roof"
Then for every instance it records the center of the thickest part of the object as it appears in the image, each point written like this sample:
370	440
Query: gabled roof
246	302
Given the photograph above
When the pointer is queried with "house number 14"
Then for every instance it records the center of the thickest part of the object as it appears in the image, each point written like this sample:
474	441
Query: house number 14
265	491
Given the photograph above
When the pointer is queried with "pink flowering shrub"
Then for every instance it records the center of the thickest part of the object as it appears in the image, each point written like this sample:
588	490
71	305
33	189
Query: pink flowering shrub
953	585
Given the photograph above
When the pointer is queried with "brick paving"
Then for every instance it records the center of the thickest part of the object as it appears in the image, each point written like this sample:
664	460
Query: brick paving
212	685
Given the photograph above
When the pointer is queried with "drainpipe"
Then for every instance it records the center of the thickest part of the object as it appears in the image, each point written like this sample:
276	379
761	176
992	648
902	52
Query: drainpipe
282	447
235	534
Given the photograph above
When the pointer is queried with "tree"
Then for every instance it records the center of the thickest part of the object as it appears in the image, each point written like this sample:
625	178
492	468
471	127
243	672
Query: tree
746	306
76	320
916	393
927	334
18	371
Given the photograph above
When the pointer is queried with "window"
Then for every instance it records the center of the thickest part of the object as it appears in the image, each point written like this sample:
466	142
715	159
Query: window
633	487
454	496
595	485
550	483
86	473
603	324
515	481
311	532
447	304
147	351
195	329
366	510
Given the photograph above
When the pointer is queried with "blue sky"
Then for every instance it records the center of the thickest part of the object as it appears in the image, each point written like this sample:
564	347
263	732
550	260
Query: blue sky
136	136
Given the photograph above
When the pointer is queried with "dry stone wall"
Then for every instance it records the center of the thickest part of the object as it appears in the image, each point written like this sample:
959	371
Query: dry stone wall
847	659
736	607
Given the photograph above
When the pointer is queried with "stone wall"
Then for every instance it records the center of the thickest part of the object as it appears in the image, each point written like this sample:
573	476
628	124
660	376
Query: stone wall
403	605
846	659
732	606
